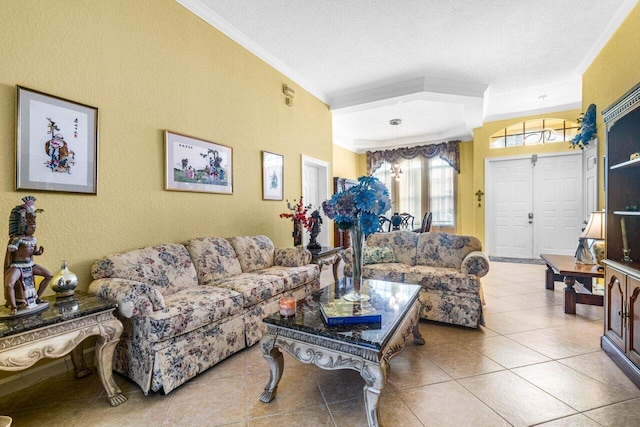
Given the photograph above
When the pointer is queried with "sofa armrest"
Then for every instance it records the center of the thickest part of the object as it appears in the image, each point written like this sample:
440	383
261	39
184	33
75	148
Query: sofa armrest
292	257
475	262
135	299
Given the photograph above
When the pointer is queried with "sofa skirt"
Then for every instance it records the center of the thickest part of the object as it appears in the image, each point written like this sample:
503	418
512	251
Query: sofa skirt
165	365
457	308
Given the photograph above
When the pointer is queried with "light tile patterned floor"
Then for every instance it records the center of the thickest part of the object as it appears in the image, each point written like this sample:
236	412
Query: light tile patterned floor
531	365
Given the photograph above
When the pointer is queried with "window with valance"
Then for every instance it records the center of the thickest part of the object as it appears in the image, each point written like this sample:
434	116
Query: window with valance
428	182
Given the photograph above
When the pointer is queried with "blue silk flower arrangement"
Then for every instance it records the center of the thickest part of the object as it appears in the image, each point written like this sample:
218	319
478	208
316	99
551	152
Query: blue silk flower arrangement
359	205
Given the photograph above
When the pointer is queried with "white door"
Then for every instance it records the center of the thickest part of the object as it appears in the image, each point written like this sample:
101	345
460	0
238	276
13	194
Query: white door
511	200
558	197
534	205
315	190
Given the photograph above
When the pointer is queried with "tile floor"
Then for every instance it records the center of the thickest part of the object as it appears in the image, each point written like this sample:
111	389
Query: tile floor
531	365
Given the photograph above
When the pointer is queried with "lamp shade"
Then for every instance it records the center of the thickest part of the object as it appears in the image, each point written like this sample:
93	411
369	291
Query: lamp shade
595	227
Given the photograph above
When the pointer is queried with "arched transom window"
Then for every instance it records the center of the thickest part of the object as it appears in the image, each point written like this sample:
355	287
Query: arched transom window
532	132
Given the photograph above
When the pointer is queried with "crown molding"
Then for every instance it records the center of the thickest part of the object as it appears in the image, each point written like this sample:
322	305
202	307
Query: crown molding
619	17
199	8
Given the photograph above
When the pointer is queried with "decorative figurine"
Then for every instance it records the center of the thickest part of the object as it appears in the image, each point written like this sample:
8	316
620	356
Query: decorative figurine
316	220
19	268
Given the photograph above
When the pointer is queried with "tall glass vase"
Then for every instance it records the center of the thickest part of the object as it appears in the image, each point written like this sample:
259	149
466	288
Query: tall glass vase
356	236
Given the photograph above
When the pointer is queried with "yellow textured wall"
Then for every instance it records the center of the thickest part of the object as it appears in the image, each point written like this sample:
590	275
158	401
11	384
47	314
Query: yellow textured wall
362	164
481	151
612	73
466	198
151	65
345	163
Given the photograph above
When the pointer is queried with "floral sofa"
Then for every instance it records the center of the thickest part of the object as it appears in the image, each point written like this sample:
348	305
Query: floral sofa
186	307
448	267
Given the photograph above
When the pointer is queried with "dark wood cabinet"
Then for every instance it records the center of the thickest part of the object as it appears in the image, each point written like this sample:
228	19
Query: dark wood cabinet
340	237
621	339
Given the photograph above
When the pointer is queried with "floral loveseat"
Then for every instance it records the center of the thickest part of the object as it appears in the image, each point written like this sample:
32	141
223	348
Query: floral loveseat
186	307
448	267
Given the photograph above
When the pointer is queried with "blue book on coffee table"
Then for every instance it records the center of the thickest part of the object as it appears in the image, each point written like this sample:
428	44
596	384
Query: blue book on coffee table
342	312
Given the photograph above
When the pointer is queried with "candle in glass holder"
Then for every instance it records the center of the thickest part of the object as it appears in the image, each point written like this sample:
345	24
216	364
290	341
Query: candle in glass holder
288	306
625	244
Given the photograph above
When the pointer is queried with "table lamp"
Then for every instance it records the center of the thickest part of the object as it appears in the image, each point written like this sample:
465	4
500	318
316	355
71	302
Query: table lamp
593	231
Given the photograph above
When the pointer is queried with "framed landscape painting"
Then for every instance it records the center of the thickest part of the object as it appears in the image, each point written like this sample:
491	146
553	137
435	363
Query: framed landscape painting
272	176
194	164
56	144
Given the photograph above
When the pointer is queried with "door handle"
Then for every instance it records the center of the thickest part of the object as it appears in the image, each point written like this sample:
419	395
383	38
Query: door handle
530	217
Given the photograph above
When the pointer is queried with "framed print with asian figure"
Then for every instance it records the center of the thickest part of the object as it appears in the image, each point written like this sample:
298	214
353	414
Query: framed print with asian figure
272	176
193	164
56	144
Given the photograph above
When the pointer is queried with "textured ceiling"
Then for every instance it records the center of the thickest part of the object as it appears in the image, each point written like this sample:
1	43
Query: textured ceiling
443	67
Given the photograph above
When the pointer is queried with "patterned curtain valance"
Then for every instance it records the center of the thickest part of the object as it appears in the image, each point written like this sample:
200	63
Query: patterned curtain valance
447	151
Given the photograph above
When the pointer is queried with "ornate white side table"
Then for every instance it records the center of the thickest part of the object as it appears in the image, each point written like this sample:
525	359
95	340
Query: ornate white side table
327	255
60	330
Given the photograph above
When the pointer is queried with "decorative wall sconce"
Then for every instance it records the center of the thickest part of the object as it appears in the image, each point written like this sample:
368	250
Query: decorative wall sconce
289	93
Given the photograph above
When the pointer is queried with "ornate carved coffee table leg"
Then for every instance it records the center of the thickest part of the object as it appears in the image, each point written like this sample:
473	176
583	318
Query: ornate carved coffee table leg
375	377
79	364
105	346
417	337
415	319
275	360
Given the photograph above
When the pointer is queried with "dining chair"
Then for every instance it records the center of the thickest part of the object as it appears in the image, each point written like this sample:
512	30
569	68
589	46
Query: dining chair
407	221
384	222
426	222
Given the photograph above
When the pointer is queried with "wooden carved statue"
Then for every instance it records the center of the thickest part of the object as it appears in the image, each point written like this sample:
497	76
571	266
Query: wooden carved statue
19	268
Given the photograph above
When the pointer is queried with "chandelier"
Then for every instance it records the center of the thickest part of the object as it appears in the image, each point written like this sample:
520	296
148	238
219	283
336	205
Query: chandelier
396	171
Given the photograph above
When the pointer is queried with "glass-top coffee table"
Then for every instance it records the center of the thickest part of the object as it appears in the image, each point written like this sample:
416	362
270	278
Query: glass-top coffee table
366	348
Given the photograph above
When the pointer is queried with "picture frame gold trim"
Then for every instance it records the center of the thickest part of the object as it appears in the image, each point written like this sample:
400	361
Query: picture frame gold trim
56	143
272	176
197	165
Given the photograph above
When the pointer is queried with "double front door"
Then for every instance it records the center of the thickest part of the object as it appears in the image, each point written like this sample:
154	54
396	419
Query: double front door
534	205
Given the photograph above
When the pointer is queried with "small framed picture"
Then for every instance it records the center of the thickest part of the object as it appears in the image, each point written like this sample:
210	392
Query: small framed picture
272	176
56	144
193	164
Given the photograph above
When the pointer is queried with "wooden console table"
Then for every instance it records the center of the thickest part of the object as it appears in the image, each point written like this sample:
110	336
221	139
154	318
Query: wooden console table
565	267
60	330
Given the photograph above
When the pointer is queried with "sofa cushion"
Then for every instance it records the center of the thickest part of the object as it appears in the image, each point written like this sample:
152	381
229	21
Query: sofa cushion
293	276
392	272
214	259
254	252
442	279
254	287
403	243
167	267
439	249
292	257
190	309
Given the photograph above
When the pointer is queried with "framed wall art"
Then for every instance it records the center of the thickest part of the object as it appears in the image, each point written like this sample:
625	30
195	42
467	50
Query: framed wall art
56	144
193	164
272	176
